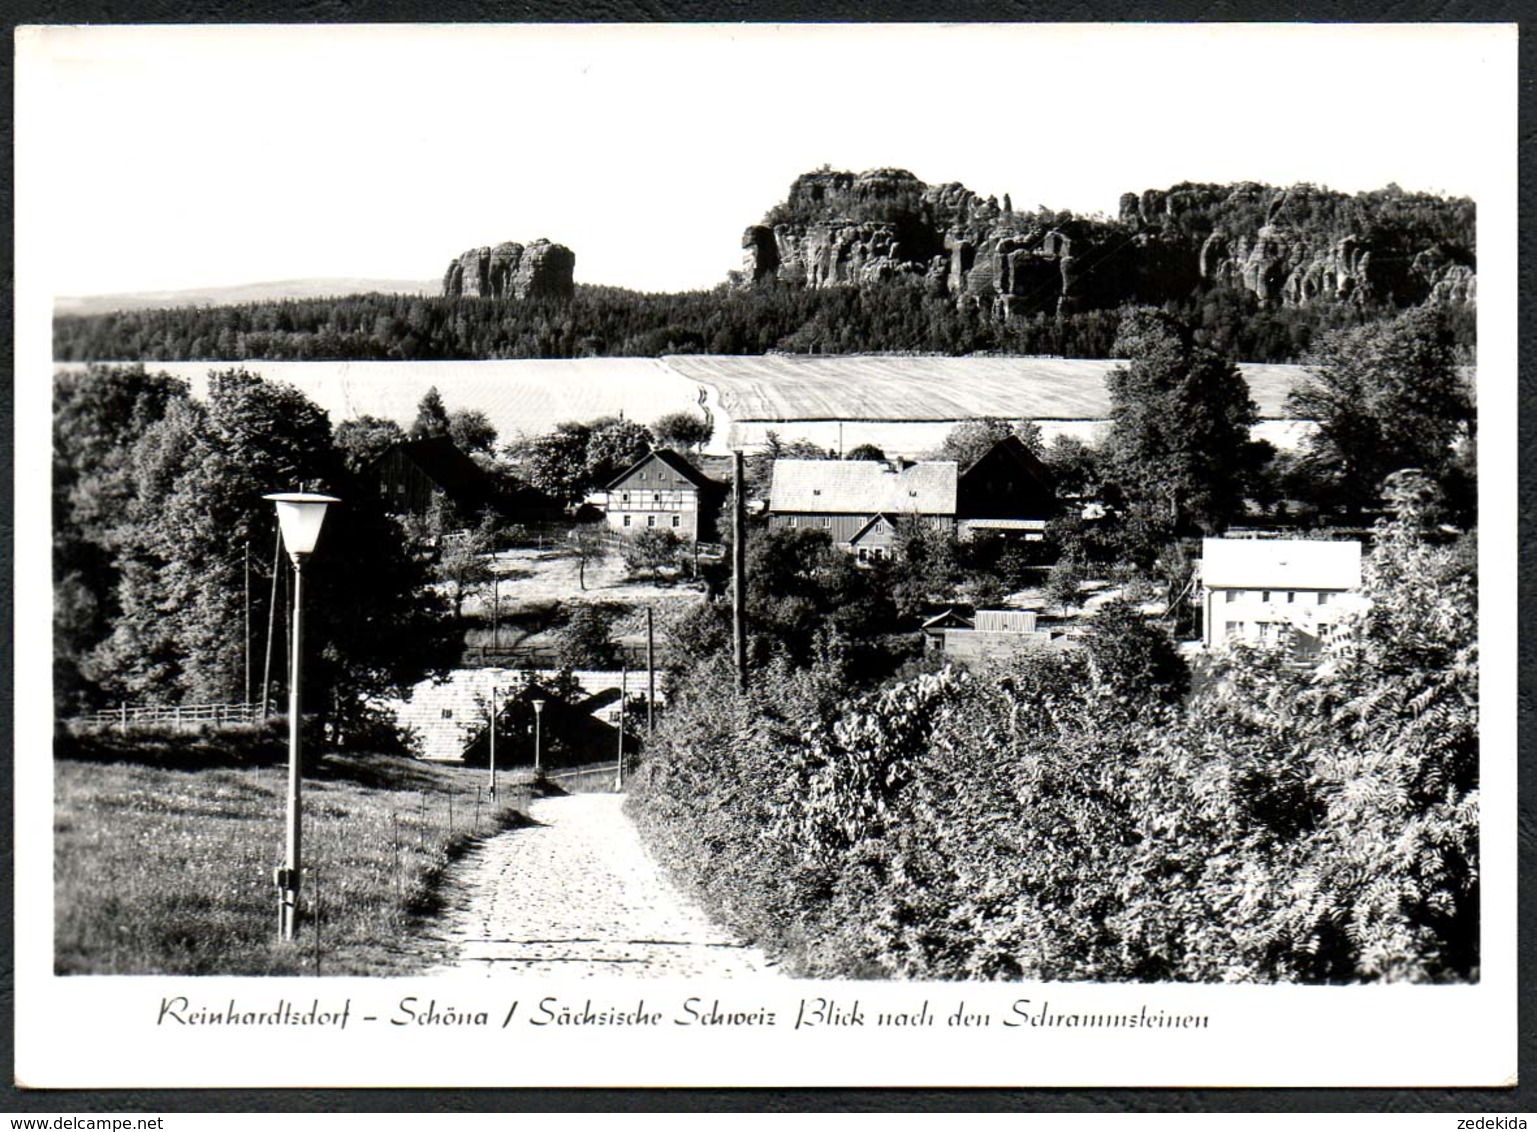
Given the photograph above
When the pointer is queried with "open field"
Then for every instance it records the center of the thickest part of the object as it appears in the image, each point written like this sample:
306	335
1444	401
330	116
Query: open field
519	397
786	387
168	871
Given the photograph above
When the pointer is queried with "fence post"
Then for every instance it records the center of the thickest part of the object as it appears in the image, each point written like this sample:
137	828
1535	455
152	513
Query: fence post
178	719
124	710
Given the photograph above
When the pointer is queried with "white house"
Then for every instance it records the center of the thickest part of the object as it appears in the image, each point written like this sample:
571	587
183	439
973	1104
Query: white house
1252	588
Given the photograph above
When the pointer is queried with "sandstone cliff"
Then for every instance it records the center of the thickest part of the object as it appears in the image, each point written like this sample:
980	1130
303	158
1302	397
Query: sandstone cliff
541	270
1284	246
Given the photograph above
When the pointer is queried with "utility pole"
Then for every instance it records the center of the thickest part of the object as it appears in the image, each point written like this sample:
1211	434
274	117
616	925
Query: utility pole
650	675
739	573
624	672
245	675
272	612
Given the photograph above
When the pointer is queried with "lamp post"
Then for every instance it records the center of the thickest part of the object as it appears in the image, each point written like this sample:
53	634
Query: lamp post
538	764
493	738
300	516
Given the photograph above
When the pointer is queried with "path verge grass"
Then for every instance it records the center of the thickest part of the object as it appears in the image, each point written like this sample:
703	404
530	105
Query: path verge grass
160	870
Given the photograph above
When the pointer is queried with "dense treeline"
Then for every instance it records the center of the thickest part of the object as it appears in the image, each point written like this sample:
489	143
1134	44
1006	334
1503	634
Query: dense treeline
903	315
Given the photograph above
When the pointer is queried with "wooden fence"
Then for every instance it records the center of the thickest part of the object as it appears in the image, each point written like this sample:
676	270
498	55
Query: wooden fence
178	716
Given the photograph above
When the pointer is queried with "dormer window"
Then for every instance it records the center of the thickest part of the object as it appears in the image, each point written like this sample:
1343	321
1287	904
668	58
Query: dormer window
816	491
913	492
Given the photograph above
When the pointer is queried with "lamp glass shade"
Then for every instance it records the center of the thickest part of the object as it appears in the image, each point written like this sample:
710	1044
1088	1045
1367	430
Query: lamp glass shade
300	515
538	705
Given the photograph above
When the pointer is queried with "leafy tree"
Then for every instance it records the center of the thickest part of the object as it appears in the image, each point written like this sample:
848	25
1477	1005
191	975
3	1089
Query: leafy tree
198	477
556	462
612	446
682	430
364	439
463	564
1074	466
1384	397
587	640
971	439
431	417
654	549
1180	419
589	544
865	452
1134	660
472	431
98	418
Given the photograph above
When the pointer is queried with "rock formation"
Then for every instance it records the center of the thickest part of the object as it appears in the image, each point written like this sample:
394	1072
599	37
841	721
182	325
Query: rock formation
1285	246
541	270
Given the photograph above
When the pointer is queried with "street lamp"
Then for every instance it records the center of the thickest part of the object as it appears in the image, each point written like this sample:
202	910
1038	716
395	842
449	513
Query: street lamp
538	765
300	516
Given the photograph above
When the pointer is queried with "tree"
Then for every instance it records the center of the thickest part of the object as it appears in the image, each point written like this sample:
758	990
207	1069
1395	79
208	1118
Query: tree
971	439
198	478
589	546
464	563
364	439
587	641
612	446
431	416
1133	660
865	452
98	417
472	431
682	430
1180	419
1384	396
651	550
556	462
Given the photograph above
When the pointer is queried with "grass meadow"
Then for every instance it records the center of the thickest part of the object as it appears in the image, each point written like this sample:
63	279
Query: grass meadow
159	870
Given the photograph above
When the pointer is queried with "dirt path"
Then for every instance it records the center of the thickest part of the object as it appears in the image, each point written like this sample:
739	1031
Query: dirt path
577	895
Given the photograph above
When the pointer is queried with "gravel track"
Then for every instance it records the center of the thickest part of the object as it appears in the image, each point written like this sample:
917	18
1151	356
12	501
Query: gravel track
577	895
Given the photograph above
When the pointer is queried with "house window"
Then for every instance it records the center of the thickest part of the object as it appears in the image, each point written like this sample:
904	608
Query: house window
816	491
448	713
794	522
1291	596
1323	598
650	520
656	497
913	492
1266	598
626	497
1232	596
827	522
864	555
878	552
677	521
627	520
1233	629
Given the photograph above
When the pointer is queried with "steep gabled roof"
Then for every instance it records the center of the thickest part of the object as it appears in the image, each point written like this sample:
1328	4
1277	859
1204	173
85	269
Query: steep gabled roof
444	464
863	487
874	521
674	461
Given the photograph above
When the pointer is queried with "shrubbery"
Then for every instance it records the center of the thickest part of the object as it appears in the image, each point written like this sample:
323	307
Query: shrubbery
1070	816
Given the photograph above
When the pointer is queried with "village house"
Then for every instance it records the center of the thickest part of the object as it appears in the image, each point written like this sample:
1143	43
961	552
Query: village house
418	477
1007	492
662	490
1265	591
860	503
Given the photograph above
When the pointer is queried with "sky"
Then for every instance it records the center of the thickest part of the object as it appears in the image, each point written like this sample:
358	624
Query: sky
164	158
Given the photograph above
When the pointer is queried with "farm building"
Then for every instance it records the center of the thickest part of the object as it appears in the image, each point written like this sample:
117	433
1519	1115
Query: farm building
1264	591
992	634
1006	492
416	477
860	503
663	490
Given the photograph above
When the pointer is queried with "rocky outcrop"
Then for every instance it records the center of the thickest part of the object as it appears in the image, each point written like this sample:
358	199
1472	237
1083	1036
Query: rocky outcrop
540	270
1285	246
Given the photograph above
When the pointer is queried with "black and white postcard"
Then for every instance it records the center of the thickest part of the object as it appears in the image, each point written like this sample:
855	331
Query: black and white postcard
765	555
